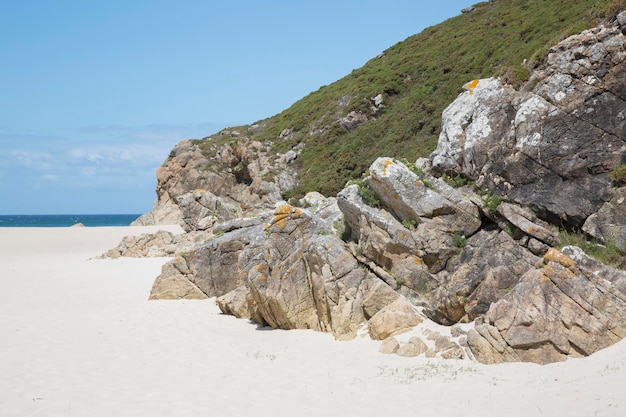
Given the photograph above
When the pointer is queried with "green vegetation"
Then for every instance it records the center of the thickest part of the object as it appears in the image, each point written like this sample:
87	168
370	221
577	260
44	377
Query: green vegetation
459	241
618	176
367	194
417	79
456	181
409	224
492	201
607	253
411	166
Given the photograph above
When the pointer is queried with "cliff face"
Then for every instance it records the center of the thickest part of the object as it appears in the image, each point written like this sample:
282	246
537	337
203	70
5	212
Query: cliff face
552	146
235	178
469	235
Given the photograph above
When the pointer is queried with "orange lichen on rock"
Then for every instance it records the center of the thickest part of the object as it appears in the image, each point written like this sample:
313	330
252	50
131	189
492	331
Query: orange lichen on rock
557	274
386	164
284	209
284	213
280	215
471	86
556	256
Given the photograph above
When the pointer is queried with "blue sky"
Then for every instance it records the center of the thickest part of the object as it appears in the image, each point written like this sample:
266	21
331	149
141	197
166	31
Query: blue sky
94	94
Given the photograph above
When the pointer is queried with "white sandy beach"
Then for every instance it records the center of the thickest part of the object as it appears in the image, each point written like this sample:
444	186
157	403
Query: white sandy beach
78	337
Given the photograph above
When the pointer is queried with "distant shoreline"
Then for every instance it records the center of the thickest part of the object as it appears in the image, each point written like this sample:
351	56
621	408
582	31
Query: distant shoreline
66	220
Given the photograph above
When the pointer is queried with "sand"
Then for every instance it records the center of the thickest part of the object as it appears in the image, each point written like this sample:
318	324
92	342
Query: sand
78	337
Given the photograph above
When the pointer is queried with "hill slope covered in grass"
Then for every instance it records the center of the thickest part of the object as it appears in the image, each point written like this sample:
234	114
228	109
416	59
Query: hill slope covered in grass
341	128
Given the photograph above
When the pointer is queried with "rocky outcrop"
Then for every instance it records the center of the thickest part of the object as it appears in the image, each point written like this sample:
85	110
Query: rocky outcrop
403	251
174	283
159	244
569	305
490	264
552	147
438	256
291	272
229	177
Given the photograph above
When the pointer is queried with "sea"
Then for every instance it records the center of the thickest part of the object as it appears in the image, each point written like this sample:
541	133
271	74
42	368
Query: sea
65	220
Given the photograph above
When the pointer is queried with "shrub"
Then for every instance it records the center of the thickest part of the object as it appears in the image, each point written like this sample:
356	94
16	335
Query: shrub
409	223
456	181
367	194
618	176
492	201
459	241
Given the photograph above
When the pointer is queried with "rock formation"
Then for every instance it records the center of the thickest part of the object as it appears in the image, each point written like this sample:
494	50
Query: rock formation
468	236
552	146
198	188
568	305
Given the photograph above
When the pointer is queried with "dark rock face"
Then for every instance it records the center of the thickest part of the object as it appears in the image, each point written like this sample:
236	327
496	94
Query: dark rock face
550	148
489	266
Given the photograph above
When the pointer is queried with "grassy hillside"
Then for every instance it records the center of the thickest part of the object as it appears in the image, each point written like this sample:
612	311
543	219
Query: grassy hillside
418	78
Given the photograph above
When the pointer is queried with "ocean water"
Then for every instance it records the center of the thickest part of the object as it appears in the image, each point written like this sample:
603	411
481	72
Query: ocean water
65	220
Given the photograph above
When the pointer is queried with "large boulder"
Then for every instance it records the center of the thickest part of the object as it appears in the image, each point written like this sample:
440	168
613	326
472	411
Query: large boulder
395	318
570	305
174	283
551	148
307	278
489	266
290	272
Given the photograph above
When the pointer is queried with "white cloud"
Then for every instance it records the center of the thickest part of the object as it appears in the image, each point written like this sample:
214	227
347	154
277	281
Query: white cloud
88	162
36	160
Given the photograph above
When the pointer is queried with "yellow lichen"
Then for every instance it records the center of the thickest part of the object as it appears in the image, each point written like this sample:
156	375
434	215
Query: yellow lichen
279	218
386	164
557	274
284	209
263	278
471	86
554	255
283	213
